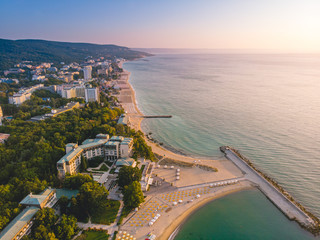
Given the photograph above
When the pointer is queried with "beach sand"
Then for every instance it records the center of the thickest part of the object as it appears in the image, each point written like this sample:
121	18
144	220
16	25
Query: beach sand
189	176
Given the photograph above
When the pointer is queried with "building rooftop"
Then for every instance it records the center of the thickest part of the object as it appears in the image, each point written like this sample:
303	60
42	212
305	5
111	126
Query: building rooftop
71	144
93	143
110	143
101	135
124	119
36	199
4	137
18	223
125	162
70	155
126	141
66	192
117	138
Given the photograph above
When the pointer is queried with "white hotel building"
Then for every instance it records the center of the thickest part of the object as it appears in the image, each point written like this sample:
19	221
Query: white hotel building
112	149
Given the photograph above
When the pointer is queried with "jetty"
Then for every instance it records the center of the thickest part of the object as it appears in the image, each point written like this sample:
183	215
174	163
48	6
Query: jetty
272	192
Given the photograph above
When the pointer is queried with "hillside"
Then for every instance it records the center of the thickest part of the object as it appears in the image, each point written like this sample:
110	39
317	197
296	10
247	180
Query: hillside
14	51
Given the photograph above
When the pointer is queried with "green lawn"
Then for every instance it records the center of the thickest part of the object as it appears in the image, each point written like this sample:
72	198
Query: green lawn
93	235
103	168
125	212
109	215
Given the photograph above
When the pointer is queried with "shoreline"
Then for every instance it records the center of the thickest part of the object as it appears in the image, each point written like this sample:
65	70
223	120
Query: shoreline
171	232
226	168
168	231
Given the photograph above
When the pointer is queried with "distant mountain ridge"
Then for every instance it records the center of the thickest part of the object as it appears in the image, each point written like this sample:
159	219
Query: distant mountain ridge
15	51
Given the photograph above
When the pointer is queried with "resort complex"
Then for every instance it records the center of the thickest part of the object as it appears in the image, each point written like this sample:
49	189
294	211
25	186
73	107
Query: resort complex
111	149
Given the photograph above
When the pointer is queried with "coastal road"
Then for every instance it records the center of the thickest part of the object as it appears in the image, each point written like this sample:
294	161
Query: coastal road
281	201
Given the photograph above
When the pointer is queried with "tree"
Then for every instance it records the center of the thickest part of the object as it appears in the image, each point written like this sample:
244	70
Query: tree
67	227
76	181
45	217
127	175
92	197
84	163
64	201
132	195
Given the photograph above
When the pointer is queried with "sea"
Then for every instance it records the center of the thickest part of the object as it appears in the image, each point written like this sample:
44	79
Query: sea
265	105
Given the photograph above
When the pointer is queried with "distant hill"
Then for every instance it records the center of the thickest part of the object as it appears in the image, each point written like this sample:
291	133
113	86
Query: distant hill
15	51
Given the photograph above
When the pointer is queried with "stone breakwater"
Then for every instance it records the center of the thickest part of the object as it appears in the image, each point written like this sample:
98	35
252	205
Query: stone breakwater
273	191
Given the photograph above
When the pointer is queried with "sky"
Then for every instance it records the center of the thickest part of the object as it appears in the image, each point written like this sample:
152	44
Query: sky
281	25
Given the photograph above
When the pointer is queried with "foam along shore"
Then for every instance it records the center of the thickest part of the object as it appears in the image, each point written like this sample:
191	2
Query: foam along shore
273	191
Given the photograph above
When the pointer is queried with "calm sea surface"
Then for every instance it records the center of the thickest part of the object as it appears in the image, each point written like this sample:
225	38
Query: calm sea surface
266	106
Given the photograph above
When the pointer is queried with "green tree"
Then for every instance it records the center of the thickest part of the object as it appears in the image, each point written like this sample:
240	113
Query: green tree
76	181
64	201
67	227
92	197
84	163
127	175
132	195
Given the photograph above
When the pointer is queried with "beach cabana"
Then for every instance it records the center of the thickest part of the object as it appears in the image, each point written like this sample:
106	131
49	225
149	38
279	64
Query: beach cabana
198	195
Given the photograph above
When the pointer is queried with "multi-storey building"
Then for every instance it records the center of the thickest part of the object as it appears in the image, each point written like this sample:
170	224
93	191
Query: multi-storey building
87	70
112	149
92	95
70	163
118	147
21	224
23	95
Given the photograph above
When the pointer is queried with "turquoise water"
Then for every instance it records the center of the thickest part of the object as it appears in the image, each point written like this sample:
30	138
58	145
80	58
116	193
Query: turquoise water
245	215
266	106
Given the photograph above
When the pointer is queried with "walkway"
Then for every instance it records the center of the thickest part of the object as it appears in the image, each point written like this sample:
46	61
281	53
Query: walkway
110	228
281	201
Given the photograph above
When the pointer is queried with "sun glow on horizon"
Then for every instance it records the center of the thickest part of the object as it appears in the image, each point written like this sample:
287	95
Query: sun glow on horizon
285	26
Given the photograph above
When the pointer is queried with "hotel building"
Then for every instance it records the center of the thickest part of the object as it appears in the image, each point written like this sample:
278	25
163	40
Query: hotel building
21	224
70	163
87	70
112	149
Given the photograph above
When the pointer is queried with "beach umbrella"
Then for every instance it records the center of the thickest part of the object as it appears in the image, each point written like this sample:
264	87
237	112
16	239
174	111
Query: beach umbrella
198	195
178	170
178	174
180	201
174	203
178	178
165	166
172	167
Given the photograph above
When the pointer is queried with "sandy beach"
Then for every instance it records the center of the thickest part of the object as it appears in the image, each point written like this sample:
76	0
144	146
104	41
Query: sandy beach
195	177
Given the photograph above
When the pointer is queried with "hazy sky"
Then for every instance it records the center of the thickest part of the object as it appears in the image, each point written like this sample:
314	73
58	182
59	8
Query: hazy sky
285	25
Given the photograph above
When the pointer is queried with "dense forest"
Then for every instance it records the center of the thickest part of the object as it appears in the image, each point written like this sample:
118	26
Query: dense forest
15	51
28	159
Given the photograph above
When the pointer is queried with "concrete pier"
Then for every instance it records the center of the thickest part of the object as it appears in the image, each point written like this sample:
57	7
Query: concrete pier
290	209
